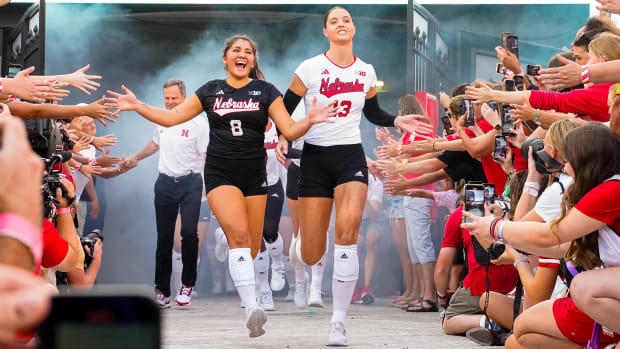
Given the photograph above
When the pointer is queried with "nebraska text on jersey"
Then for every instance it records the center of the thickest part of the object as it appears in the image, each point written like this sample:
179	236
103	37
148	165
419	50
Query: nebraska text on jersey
338	86
221	107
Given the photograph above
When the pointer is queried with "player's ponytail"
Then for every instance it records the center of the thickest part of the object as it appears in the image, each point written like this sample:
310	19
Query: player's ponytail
255	72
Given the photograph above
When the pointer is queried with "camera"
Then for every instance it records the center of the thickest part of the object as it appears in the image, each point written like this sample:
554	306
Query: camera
545	164
532	70
496	250
90	240
44	136
51	182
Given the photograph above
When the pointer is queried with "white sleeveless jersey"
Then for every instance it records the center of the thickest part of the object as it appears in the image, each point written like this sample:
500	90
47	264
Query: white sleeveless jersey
345	85
271	141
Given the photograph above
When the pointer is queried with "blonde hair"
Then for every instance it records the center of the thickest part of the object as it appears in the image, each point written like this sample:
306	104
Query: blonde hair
557	131
606	45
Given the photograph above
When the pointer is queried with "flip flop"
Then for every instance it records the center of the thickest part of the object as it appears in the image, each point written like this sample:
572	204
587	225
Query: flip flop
432	307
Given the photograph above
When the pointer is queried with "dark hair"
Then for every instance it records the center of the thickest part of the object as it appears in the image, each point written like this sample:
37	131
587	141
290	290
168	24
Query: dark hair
593	163
516	184
176	82
409	104
330	11
593	27
455	102
458	89
255	73
554	62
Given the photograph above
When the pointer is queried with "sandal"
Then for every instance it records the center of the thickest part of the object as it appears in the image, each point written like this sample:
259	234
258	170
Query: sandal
414	303
425	306
402	303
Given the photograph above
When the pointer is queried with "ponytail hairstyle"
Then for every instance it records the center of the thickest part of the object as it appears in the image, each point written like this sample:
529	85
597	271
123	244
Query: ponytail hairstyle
255	72
409	104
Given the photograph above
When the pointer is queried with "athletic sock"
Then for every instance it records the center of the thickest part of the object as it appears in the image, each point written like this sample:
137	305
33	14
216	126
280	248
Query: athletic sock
242	273
261	271
290	272
317	272
346	272
275	251
177	271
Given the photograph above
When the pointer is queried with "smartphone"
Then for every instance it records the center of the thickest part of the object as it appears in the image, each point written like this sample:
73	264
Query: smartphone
512	44
101	321
492	105
509	85
500	69
474	200
518	82
489	193
532	70
504	36
447	126
605	13
14	68
468	107
499	149
508	123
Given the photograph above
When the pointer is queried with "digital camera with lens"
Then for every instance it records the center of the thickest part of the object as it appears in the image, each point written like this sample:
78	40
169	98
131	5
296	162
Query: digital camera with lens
545	163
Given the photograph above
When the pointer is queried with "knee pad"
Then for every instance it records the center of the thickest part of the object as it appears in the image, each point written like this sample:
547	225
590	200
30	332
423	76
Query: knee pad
261	262
270	231
275	247
241	267
298	250
346	263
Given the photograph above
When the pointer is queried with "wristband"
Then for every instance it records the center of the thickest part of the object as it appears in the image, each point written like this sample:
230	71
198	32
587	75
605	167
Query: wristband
434	146
520	260
492	227
78	166
537	115
400	149
585	74
533	185
530	191
63	210
92	161
19	228
92	138
501	231
404	161
409	192
57	80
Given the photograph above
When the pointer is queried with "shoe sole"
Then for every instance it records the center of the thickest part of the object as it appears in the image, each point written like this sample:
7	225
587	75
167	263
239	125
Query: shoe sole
485	338
316	304
368	299
337	344
182	304
256	321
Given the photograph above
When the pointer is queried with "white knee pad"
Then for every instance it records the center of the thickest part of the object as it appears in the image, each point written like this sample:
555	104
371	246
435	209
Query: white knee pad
275	248
241	267
177	261
261	262
346	263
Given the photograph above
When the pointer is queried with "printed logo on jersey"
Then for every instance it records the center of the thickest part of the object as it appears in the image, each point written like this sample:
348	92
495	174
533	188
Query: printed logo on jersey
331	89
221	107
220	92
325	72
360	73
253	93
271	145
185	133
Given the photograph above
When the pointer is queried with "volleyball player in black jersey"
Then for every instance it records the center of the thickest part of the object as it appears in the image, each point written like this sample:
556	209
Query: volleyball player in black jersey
235	177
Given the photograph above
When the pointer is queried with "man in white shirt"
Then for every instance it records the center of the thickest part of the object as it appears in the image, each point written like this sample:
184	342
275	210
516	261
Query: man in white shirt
177	189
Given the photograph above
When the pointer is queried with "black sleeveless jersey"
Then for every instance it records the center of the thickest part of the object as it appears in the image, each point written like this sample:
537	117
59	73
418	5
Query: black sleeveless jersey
237	117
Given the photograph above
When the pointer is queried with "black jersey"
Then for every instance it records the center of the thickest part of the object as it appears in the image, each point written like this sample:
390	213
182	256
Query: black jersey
237	117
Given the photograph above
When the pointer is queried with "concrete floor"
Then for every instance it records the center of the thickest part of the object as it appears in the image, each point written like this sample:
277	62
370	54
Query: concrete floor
218	322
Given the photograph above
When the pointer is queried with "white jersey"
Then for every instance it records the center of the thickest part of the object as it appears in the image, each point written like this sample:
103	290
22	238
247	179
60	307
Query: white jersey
182	147
347	86
271	141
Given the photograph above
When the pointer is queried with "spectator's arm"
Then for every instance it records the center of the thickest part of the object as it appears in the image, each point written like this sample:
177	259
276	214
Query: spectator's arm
95	110
480	146
86	279
442	269
66	230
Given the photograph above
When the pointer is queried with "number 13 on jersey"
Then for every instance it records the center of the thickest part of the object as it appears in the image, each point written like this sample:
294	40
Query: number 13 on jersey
235	128
345	108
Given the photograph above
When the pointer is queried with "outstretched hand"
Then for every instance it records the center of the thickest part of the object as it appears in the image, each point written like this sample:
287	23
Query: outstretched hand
568	75
80	80
413	124
322	114
120	102
99	111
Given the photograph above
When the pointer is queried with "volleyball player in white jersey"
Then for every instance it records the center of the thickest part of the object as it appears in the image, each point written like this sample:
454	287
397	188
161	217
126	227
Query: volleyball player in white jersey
333	164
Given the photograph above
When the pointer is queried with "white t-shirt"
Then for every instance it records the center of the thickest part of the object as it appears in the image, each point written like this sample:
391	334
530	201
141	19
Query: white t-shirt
548	204
271	141
78	177
347	86
182	147
375	192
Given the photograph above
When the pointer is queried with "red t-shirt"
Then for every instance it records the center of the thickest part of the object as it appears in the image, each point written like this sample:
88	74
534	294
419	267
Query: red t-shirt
54	247
502	278
492	170
601	203
407	139
591	101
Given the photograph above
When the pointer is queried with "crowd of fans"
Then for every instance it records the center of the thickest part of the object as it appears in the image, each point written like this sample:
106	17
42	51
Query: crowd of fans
537	266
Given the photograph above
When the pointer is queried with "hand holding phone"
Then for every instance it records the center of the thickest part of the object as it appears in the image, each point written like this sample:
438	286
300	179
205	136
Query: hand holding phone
508	123
532	70
499	148
474	200
469	109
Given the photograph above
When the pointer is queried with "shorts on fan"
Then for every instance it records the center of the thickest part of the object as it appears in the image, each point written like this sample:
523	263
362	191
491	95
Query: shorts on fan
249	175
575	325
324	168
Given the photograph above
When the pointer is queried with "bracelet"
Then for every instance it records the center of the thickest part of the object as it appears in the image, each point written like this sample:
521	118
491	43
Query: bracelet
63	210
404	161
92	161
409	192
501	231
520	260
585	74
537	115
19	228
400	149
530	191
533	185
92	138
78	166
434	146
492	227
57	80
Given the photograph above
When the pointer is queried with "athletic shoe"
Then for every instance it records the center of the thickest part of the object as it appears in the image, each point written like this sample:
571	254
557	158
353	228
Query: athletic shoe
289	296
485	335
292	253
301	292
367	296
265	301
337	334
357	297
185	296
278	279
162	301
315	298
256	319
221	245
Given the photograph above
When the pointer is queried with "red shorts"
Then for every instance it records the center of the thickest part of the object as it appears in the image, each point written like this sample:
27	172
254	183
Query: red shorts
575	325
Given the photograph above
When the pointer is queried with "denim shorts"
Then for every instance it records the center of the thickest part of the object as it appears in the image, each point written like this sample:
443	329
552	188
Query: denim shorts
398	207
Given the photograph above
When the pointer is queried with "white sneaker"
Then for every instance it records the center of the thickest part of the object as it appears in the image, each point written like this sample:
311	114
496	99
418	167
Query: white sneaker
265	301
278	279
221	245
256	319
301	292
162	301
184	297
289	296
296	263
337	334
315	298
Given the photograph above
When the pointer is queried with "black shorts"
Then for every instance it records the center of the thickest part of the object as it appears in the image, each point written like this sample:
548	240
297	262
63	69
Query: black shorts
324	168
205	212
249	175
292	181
